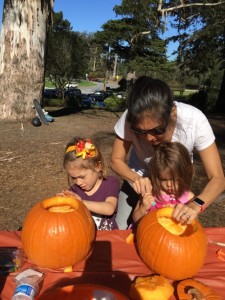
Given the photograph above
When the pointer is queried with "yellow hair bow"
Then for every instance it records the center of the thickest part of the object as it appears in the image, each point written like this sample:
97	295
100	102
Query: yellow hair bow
83	149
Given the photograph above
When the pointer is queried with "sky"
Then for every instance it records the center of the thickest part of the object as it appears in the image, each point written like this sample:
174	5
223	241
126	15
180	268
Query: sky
89	15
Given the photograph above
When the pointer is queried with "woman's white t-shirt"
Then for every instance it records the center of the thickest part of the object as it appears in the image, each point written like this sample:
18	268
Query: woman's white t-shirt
192	130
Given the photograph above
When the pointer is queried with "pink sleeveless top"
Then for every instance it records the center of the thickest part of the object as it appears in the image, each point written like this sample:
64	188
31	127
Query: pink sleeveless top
168	199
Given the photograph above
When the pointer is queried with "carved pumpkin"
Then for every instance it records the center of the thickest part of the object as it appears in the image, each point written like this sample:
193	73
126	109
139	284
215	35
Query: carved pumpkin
169	248
192	289
58	232
151	288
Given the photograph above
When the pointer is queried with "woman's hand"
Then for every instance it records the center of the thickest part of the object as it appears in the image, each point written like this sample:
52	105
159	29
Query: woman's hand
142	185
185	213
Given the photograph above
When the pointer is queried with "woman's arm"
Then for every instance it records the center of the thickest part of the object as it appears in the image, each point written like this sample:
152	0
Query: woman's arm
216	185
118	160
141	185
212	164
106	208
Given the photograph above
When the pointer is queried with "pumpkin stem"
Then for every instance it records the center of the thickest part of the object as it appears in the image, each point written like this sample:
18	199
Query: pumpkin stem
196	294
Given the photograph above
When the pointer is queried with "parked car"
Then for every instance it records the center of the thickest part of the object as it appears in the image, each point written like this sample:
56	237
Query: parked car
99	96
87	101
51	93
72	92
72	84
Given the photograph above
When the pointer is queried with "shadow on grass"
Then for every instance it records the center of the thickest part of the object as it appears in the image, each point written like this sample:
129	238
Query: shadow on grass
62	111
65	111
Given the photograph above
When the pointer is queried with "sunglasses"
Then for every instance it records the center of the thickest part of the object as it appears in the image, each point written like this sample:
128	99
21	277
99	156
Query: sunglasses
153	131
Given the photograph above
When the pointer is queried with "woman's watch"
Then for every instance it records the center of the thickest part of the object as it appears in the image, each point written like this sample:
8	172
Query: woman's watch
199	202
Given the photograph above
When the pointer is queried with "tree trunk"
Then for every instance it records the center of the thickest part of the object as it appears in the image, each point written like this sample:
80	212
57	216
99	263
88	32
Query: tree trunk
115	66
220	102
22	56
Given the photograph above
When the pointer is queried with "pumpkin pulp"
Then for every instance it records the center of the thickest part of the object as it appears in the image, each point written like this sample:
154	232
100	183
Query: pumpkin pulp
164	218
151	287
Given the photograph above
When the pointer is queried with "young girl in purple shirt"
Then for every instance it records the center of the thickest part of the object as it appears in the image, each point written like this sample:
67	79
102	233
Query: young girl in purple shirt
86	169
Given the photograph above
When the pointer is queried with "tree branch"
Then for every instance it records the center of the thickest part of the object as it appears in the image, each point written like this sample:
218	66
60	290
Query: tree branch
182	5
138	34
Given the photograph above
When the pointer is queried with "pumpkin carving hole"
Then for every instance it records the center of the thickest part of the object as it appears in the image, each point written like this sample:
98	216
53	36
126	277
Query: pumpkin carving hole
61	204
172	226
61	209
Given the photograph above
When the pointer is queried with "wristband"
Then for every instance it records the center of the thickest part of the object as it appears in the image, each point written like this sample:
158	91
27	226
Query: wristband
200	203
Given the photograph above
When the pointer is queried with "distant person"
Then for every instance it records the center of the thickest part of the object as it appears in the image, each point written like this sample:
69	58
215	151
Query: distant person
104	83
151	118
86	170
171	172
123	84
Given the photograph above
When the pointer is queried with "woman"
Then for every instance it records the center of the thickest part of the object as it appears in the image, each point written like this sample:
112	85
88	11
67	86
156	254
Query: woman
151	118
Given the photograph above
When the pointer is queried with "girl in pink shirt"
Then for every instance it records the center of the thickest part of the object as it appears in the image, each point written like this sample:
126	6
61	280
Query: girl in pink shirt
171	173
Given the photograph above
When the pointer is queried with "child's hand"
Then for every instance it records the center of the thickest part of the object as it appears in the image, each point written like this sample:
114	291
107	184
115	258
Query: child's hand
69	193
147	201
60	194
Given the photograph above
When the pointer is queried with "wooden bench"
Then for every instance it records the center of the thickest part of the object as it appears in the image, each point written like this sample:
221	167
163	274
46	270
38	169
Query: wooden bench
180	89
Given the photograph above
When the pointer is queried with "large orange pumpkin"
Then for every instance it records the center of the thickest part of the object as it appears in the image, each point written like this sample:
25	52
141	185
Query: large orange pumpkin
58	232
169	248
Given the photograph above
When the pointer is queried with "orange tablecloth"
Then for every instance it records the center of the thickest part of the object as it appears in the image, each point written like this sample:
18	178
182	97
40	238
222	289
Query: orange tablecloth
114	263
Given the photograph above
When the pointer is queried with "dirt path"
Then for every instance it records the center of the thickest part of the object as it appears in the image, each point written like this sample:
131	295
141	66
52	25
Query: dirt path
31	161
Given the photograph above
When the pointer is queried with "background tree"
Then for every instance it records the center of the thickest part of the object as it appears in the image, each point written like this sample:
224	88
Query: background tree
22	56
135	37
67	53
201	51
97	66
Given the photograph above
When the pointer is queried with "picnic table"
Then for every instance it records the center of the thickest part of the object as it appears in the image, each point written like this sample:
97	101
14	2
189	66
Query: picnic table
114	263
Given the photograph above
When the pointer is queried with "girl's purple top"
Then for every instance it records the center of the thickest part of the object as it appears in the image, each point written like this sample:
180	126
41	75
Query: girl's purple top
109	187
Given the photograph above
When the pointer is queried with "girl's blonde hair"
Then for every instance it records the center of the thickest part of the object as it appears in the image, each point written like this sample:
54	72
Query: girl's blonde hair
173	157
85	161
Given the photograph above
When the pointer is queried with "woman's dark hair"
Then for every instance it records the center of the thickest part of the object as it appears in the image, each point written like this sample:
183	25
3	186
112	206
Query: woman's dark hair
149	97
174	158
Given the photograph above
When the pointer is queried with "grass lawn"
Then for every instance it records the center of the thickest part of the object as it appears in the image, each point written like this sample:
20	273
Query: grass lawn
85	83
81	83
185	93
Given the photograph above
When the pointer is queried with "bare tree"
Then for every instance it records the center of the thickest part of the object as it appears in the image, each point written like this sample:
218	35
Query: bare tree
22	56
